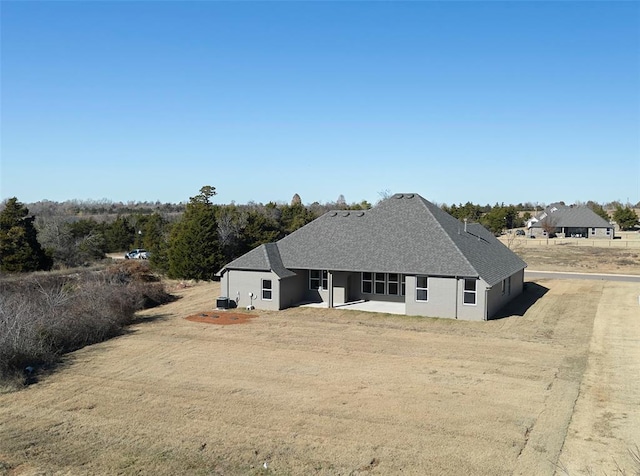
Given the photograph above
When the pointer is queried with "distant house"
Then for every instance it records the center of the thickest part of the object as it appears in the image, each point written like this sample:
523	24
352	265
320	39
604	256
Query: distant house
570	221
405	250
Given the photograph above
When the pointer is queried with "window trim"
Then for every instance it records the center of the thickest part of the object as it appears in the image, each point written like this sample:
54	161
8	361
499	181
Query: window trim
391	282
470	292
422	288
382	281
266	290
369	281
322	279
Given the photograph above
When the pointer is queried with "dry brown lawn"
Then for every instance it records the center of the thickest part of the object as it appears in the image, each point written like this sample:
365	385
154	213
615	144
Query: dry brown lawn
587	256
317	391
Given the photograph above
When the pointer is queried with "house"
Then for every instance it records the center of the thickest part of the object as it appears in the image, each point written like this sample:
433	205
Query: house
570	221
405	250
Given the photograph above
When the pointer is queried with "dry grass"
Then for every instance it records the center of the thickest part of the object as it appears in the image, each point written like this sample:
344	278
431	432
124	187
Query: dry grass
565	256
313	391
552	387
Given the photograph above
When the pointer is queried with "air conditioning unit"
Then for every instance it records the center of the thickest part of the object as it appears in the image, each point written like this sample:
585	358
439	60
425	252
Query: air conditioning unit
222	302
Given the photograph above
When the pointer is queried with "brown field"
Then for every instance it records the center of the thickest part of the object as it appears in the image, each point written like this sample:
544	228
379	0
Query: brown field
586	256
551	387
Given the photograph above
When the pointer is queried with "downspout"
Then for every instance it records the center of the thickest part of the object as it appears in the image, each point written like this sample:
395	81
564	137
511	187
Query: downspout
457	295
486	304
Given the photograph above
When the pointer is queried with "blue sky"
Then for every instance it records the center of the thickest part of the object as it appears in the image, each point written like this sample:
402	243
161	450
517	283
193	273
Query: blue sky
457	101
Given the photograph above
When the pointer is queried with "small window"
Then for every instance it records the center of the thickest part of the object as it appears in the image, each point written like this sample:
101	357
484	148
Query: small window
422	288
593	231
469	297
608	231
367	283
509	286
318	279
266	290
504	286
380	283
393	284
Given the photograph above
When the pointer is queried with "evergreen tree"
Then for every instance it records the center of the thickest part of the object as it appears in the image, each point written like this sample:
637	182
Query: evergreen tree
20	250
194	247
598	210
120	235
293	217
154	239
625	217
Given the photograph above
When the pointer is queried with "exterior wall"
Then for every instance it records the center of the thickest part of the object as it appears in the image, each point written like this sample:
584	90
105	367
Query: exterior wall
445	295
236	285
496	300
582	232
477	311
292	290
446	299
601	233
441	300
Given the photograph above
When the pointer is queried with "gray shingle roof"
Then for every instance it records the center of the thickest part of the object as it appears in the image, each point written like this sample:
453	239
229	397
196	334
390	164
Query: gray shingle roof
403	234
263	258
573	217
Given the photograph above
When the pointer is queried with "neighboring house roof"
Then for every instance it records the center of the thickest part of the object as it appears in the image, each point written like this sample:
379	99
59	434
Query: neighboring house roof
571	217
403	234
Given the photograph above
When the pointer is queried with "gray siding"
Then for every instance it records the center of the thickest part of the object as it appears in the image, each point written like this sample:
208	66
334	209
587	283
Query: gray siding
601	233
441	301
477	311
238	284
497	299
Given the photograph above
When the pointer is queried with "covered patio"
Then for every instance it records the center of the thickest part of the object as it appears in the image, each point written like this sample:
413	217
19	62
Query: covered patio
368	306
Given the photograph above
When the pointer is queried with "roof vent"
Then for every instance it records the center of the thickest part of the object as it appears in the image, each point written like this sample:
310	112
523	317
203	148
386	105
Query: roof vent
410	195
345	214
360	214
399	195
332	214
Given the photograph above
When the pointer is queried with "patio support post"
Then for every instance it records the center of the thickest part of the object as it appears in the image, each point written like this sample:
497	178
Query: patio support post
330	285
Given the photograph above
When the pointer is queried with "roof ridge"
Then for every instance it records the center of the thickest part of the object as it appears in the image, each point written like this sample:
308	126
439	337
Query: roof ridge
426	204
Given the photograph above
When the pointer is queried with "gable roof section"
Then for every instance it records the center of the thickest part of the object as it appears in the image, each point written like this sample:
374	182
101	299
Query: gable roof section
573	217
403	234
263	258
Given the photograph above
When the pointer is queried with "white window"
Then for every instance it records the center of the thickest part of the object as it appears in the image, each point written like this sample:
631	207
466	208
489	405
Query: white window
393	283
469	297
318	279
608	231
422	288
367	283
266	290
593	231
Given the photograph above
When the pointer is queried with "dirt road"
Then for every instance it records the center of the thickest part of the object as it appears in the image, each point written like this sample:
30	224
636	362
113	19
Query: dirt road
317	391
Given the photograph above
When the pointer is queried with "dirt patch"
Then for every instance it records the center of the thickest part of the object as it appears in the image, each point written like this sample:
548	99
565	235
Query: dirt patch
222	318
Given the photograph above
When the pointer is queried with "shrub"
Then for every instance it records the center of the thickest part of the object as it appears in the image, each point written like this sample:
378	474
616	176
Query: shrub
42	317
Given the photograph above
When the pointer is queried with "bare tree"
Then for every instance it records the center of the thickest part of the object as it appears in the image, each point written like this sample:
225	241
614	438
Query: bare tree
549	226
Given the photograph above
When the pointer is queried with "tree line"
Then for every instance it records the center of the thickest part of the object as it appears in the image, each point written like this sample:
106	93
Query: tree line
194	240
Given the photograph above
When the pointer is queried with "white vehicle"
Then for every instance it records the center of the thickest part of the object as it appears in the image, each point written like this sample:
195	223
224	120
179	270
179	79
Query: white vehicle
138	253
